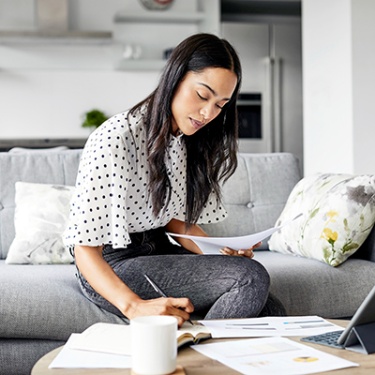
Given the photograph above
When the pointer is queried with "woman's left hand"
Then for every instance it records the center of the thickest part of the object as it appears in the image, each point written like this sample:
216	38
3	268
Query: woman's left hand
247	253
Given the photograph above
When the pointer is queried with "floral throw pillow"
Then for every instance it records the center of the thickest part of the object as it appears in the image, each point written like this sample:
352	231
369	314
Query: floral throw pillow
338	215
40	219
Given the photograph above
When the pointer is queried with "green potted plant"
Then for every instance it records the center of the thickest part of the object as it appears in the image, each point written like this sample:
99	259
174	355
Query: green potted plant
94	118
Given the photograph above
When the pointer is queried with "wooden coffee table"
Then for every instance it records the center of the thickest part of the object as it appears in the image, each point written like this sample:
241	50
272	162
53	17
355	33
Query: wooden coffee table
194	363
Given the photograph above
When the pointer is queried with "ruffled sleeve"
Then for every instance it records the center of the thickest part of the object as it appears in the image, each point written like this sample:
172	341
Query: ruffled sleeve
213	211
98	212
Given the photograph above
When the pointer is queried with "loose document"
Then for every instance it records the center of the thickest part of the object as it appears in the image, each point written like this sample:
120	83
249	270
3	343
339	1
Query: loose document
269	326
272	355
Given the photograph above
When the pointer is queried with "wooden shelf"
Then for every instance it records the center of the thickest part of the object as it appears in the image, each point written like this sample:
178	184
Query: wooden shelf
160	17
53	37
41	143
145	64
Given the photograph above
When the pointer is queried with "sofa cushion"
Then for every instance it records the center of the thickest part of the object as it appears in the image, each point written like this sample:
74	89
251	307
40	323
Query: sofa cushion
338	215
18	357
40	219
310	287
38	167
45	302
18	150
256	193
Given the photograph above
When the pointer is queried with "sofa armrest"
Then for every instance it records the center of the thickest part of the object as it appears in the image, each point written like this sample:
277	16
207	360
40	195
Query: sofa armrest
367	250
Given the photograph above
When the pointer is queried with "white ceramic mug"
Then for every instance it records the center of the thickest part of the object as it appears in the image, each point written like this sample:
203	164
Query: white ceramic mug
154	345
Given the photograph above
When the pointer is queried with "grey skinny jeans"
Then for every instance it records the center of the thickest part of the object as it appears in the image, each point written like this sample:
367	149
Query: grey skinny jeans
218	286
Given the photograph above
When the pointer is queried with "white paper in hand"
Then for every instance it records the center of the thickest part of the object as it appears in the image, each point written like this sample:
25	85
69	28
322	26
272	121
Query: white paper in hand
212	245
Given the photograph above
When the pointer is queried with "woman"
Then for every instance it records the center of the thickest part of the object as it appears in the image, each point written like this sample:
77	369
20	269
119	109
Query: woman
158	169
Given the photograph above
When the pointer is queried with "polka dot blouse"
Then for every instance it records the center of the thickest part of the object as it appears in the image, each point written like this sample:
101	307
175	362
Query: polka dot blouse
111	197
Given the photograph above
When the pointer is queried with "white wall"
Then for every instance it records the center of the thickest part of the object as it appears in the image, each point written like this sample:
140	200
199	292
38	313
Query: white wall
83	14
51	104
363	13
327	87
45	88
338	74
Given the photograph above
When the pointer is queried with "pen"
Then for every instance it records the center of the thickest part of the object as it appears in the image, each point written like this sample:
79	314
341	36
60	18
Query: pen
161	293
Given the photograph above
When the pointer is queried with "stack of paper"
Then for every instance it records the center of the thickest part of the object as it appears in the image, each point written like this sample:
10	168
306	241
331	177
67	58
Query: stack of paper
69	357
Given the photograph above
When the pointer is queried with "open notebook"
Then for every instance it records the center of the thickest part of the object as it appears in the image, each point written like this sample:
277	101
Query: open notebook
116	338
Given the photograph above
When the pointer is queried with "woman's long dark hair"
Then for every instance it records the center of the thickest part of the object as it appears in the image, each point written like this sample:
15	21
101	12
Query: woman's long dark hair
211	151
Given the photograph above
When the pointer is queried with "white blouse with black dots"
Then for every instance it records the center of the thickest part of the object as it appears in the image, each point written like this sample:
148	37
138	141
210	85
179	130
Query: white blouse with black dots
111	198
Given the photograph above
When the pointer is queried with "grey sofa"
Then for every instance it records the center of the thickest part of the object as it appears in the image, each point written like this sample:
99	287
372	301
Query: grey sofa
41	305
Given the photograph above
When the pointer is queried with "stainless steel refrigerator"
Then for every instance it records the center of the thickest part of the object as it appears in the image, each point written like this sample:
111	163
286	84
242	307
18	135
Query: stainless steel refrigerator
271	96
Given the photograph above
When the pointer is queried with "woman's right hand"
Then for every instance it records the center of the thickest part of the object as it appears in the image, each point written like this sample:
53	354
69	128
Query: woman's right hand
180	308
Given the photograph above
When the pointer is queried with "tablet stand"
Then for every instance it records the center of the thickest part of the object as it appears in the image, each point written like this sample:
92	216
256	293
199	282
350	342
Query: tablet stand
362	338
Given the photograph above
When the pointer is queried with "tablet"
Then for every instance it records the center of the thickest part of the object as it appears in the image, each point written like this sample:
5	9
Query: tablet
364	314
